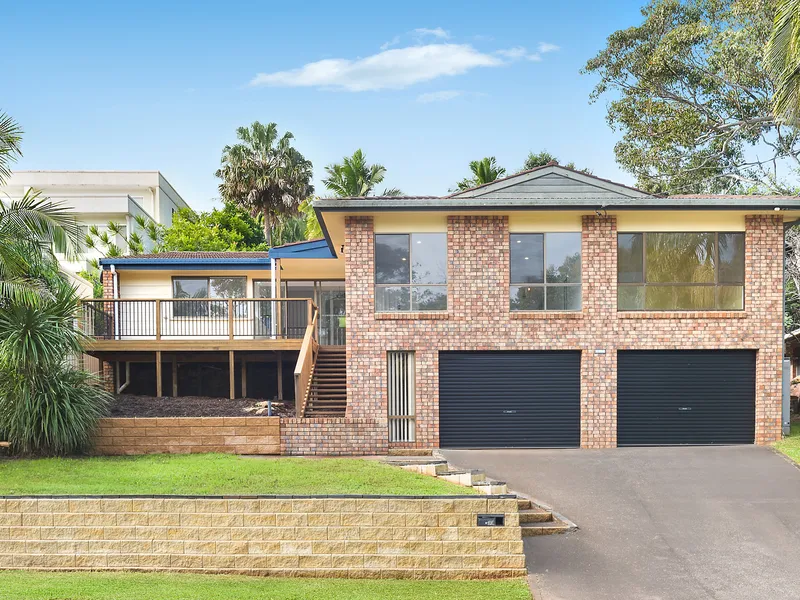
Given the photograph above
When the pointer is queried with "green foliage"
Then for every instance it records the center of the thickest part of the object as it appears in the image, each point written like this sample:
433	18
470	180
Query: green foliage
10	138
313	228
264	174
544	158
30	585
46	406
228	229
783	60
354	177
693	100
215	474
484	171
30	229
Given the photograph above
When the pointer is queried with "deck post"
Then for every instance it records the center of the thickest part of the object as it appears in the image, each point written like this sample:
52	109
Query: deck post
232	375
174	375
280	375
244	376
158	374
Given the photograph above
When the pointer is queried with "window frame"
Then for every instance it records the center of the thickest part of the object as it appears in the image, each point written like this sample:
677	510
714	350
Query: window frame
411	285
715	284
223	310
544	285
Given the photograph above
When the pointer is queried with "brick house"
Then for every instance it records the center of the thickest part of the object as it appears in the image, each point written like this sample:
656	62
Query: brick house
547	309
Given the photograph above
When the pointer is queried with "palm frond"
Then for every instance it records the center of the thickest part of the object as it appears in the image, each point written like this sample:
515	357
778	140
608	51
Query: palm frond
10	138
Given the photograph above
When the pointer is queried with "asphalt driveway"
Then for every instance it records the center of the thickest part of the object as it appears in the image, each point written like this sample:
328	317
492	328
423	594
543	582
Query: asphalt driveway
659	523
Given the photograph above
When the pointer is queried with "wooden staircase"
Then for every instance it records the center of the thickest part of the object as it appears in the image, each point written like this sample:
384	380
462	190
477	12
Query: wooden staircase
327	392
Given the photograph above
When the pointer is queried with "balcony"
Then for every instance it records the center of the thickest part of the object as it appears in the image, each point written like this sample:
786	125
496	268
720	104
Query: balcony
196	324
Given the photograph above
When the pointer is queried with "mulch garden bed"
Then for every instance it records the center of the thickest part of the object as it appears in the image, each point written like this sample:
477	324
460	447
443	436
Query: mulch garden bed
128	405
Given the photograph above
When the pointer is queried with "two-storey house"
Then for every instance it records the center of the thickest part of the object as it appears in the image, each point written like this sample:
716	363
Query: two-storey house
547	309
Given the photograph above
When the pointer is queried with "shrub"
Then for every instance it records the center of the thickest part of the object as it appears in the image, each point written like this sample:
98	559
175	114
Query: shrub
46	405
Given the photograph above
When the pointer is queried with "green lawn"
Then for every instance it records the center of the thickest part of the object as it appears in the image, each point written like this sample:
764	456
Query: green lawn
790	445
20	585
213	474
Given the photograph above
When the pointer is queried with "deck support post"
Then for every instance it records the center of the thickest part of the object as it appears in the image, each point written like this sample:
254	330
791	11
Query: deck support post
174	375
232	375
244	376
158	374
280	375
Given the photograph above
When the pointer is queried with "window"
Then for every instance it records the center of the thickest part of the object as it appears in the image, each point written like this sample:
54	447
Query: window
401	375
411	272
680	271
208	287
546	271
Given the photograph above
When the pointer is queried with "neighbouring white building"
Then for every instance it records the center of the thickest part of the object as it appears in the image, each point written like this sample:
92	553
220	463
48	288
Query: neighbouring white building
100	197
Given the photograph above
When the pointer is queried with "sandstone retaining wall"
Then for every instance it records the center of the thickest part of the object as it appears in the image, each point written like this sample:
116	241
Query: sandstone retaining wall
336	536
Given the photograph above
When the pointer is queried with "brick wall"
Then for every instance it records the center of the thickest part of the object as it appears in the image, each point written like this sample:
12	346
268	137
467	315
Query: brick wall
478	318
188	435
388	537
332	436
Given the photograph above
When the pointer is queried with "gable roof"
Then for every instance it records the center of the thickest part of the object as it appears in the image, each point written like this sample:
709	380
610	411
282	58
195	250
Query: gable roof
552	181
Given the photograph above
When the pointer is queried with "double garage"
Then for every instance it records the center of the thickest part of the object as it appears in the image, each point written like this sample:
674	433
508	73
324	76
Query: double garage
514	399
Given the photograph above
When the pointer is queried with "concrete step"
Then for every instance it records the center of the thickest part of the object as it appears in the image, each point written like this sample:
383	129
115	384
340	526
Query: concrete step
491	487
544	528
535	515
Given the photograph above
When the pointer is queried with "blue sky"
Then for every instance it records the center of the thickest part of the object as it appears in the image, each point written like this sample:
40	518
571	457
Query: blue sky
421	87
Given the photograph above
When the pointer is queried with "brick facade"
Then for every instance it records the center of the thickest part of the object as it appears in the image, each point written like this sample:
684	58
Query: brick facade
188	435
376	537
478	318
332	436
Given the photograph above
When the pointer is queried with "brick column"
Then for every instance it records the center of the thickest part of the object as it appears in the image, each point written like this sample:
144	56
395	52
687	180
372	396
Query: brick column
366	381
599	356
764	247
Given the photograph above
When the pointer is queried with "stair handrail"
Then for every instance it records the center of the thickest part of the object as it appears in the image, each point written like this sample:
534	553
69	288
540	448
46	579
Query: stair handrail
305	363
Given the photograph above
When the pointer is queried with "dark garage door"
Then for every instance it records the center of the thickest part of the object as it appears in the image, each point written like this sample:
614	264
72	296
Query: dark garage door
670	397
509	399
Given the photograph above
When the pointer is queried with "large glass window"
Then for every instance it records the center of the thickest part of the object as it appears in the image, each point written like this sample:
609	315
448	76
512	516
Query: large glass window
410	272
207	287
546	271
680	271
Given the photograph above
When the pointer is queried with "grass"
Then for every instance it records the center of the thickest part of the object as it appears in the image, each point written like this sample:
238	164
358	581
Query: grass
790	445
214	474
27	585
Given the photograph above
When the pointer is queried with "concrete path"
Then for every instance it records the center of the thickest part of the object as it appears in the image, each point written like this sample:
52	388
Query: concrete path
659	523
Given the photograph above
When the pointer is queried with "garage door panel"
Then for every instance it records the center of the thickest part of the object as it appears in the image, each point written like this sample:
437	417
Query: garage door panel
509	399
673	397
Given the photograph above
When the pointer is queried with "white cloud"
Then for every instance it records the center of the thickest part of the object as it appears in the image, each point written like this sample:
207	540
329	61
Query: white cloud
437	32
441	96
393	42
545	47
518	53
389	69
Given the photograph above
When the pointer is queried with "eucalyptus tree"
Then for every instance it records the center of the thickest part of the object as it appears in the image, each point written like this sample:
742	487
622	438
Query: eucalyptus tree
265	174
692	99
783	60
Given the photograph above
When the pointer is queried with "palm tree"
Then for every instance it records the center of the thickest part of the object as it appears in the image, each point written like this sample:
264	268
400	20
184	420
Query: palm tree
354	177
30	230
10	138
783	60
264	174
483	171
